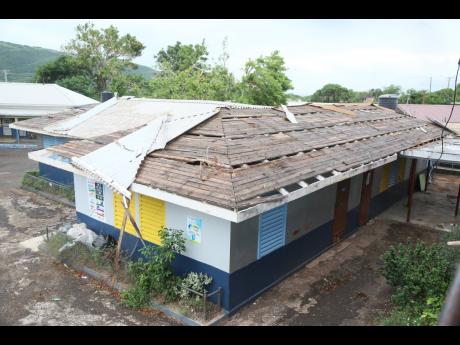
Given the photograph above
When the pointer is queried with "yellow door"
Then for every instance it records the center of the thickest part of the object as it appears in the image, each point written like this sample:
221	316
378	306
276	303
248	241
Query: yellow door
152	218
118	213
385	178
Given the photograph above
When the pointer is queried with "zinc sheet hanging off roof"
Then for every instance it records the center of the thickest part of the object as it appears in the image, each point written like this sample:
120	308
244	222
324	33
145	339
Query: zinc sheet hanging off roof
241	157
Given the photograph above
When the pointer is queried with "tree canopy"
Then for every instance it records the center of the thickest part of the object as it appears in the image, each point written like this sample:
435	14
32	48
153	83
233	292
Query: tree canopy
264	81
191	77
104	52
181	57
331	93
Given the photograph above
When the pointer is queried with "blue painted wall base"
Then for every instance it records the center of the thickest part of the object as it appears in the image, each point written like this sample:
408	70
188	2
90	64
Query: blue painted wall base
55	174
181	265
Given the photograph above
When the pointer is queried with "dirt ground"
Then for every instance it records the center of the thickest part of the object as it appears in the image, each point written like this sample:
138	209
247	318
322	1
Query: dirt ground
34	290
343	286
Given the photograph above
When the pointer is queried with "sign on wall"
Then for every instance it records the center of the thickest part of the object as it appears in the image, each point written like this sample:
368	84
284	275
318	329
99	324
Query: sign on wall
194	229
96	199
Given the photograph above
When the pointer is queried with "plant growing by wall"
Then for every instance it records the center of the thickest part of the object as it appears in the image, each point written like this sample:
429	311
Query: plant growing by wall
194	281
153	273
33	180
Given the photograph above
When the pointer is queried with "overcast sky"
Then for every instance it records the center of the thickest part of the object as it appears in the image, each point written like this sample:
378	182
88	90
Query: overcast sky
359	54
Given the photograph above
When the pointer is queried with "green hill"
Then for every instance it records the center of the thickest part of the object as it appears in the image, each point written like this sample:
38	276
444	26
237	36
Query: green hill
20	61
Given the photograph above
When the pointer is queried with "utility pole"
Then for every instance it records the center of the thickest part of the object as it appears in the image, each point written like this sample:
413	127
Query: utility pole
448	82
430	83
5	73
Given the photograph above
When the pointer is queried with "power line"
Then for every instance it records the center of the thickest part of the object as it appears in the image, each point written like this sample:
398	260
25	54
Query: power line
447	122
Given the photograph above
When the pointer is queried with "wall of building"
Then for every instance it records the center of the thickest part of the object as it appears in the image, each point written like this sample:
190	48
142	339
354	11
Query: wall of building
54	174
308	234
228	251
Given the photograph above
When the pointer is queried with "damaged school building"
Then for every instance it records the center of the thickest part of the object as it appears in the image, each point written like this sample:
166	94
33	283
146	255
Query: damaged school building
258	191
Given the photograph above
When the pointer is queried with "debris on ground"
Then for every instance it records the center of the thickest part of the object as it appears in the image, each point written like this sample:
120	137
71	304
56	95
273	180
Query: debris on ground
80	233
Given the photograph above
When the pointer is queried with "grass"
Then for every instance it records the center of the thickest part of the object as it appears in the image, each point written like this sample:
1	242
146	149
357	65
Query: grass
33	180
80	254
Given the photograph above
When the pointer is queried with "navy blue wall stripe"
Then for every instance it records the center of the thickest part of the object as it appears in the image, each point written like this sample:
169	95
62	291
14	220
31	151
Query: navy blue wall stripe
181	265
55	174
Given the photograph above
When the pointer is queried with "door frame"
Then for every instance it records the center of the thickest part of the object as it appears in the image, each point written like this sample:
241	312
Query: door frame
340	210
366	196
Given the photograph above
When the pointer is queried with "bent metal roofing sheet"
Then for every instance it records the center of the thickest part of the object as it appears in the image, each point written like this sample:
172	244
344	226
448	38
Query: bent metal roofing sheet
241	157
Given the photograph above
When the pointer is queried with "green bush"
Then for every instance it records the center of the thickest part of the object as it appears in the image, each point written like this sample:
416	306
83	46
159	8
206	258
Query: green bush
421	276
195	281
417	272
154	273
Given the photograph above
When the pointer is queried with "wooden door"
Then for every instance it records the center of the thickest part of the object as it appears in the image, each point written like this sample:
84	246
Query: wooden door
366	193
341	208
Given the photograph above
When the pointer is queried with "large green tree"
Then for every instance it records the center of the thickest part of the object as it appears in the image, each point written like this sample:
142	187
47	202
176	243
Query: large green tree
68	72
181	57
264	81
183	72
105	53
332	93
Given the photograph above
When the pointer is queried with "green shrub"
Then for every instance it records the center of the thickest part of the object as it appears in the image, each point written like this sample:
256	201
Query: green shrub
419	315
153	272
417	273
135	297
195	281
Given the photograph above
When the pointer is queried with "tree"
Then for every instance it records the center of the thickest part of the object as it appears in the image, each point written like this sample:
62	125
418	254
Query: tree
191	77
264	81
68	72
104	52
332	93
391	89
181	57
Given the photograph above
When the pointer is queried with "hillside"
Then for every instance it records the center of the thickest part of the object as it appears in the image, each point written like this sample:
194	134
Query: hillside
21	61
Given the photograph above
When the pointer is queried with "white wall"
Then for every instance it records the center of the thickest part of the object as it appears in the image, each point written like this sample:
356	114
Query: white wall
214	248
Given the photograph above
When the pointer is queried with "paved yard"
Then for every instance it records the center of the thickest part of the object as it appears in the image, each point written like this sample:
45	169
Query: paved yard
33	289
343	286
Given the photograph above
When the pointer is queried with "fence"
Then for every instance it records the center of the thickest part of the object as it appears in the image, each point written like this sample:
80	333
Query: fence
40	183
205	297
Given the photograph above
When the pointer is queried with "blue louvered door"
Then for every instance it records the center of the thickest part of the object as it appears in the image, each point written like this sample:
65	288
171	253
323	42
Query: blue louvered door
272	230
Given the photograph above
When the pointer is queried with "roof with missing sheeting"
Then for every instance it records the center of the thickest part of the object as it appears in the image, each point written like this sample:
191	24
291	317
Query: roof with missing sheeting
242	157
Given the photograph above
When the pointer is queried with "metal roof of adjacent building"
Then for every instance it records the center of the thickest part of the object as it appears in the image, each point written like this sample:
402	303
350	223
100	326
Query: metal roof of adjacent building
438	112
34	99
241	157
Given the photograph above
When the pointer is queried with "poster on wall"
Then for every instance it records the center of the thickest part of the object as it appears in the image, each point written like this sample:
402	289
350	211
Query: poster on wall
194	229
96	200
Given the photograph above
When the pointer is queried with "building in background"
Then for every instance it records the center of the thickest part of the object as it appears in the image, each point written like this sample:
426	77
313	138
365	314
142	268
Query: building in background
437	112
257	191
20	101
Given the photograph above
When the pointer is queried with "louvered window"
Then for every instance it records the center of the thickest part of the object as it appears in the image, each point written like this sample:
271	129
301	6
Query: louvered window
272	230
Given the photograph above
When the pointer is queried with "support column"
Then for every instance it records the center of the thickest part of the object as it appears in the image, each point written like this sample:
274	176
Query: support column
410	191
17	131
458	199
